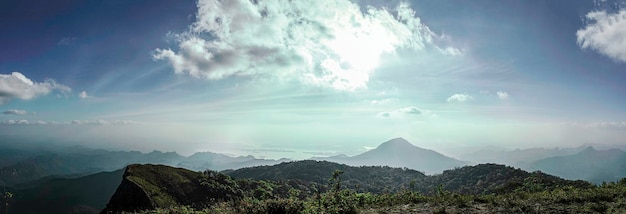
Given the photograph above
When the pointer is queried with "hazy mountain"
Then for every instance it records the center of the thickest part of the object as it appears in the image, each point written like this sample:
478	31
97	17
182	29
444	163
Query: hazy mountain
23	166
88	194
516	157
399	152
215	161
158	157
590	164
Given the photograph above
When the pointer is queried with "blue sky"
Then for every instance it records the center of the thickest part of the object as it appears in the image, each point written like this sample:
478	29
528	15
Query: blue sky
272	78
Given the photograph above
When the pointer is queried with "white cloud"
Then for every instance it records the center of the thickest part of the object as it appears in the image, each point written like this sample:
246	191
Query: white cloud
330	43
84	95
367	148
406	112
381	101
503	95
383	115
605	33
73	122
15	112
459	98
410	110
16	85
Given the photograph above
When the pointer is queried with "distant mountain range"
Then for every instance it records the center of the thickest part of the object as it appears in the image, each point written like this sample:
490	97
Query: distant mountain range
592	165
23	165
517	157
399	152
584	162
63	181
78	161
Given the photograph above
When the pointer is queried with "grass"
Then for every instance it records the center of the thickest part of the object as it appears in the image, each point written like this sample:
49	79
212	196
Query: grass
603	199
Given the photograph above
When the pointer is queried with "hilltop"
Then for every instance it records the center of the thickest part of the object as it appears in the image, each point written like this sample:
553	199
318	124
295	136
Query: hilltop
375	179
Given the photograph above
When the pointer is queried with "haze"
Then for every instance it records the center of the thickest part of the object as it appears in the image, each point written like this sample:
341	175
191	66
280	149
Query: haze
298	79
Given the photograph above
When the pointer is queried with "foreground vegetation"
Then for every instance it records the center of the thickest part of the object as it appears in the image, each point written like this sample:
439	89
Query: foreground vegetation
536	193
608	198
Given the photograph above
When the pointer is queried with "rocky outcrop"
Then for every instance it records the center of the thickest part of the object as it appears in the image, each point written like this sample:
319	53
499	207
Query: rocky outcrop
146	187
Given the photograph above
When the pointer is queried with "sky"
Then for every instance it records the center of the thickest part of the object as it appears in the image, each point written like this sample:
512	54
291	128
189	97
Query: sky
298	79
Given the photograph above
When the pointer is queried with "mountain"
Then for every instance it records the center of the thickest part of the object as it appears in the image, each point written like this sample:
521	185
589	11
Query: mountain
23	167
88	194
495	178
12	156
517	157
590	164
399	152
70	164
215	161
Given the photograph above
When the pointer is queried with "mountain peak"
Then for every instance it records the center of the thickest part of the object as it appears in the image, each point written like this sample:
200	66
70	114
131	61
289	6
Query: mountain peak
396	143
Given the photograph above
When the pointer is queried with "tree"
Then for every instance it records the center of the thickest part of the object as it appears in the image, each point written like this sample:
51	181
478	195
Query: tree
6	198
336	180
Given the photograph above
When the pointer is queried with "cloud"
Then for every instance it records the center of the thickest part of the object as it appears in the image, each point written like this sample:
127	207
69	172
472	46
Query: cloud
15	112
103	122
16	85
73	122
406	112
367	148
66	41
383	115
605	33
503	95
381	101
598	125
84	95
410	110
460	98
331	43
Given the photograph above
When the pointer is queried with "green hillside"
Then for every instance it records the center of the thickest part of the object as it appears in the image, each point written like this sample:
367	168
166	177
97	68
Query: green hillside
375	179
290	189
495	178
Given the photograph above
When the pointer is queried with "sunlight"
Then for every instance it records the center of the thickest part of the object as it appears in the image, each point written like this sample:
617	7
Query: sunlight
359	50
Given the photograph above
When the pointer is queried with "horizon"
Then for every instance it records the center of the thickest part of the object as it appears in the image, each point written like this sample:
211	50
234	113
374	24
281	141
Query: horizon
304	78
456	153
